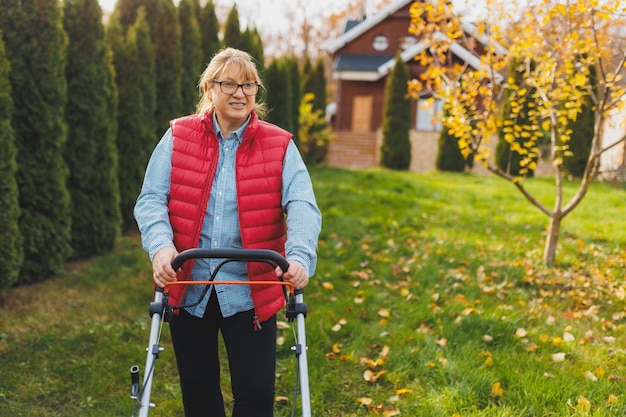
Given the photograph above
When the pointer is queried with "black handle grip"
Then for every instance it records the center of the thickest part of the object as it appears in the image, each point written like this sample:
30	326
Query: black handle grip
248	255
134	381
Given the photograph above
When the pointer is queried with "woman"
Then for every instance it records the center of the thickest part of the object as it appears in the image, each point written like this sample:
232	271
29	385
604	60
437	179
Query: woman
222	178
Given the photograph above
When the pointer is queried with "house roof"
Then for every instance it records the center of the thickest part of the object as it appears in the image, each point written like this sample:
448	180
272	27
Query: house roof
367	67
353	31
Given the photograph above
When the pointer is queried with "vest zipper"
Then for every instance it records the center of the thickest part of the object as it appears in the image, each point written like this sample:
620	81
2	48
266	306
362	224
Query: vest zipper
256	323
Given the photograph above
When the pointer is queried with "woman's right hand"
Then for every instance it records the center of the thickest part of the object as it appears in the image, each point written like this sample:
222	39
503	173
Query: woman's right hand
162	271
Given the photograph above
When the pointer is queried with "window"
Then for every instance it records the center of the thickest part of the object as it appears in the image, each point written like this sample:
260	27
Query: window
429	115
380	42
408	41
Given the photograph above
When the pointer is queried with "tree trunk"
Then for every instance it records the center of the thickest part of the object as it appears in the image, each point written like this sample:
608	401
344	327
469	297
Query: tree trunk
552	239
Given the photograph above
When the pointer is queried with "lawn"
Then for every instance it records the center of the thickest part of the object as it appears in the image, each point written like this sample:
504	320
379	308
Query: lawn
430	299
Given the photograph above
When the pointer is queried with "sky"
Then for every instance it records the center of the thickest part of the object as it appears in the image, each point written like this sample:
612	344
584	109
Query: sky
267	14
271	17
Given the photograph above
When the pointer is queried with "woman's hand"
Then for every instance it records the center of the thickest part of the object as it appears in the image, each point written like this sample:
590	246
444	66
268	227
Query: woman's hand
296	274
162	271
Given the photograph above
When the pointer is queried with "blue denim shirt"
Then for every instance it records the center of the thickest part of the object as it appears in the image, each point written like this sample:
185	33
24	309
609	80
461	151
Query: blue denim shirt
220	228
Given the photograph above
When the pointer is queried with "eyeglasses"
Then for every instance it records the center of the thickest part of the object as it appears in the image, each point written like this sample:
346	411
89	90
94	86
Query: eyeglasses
230	87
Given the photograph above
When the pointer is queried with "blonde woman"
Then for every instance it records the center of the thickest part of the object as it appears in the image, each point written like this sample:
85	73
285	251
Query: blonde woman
223	178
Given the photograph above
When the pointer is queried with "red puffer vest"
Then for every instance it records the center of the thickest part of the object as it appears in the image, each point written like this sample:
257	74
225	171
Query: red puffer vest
259	164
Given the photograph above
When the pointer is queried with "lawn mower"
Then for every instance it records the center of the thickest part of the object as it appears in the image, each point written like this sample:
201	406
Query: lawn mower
161	311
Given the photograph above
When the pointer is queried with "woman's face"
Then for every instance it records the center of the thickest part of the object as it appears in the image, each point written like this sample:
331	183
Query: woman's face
231	108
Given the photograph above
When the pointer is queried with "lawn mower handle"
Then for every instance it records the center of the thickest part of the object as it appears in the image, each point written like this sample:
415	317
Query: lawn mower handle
249	255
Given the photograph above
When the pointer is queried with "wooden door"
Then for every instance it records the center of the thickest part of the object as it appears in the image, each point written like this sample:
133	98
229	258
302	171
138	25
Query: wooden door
362	113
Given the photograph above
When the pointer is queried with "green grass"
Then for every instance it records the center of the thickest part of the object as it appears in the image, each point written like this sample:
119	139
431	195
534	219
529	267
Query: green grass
432	282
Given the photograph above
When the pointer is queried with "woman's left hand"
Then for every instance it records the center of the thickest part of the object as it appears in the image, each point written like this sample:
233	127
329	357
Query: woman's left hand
296	274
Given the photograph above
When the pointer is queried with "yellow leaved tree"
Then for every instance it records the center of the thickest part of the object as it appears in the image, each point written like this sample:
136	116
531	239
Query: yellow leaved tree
564	52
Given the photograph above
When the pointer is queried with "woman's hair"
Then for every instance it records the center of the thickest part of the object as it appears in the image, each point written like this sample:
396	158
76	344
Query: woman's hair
242	65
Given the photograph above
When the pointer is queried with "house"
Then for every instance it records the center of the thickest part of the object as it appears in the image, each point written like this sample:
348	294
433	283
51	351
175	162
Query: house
362	58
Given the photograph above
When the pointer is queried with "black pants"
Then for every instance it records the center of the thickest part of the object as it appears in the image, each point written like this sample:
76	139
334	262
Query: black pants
251	358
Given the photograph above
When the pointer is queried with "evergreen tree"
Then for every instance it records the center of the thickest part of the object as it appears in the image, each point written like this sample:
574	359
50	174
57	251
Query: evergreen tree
90	153
314	83
11	250
165	33
232	30
256	50
245	42
36	46
318	88
209	30
293	69
278	95
449	156
166	36
135	77
396	147
192	54
579	145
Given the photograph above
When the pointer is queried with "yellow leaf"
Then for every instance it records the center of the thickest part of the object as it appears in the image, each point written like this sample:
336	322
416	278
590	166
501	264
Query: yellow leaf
384	352
281	399
583	404
402	391
497	390
521	333
336	348
612	399
328	286
383	312
442	342
558	357
390	412
364	400
489	361
557	341
370	363
590	376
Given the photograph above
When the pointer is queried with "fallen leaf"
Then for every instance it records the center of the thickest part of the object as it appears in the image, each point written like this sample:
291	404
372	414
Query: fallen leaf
364	400
442	342
402	391
497	390
568	337
383	312
558	357
282	325
282	399
328	286
521	333
583	404
384	352
557	341
390	412
370	376
590	376
612	399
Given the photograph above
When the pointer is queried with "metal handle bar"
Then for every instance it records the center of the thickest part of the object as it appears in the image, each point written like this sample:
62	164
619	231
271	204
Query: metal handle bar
249	255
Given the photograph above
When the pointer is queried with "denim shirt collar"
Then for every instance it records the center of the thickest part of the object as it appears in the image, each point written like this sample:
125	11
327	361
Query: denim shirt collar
238	134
